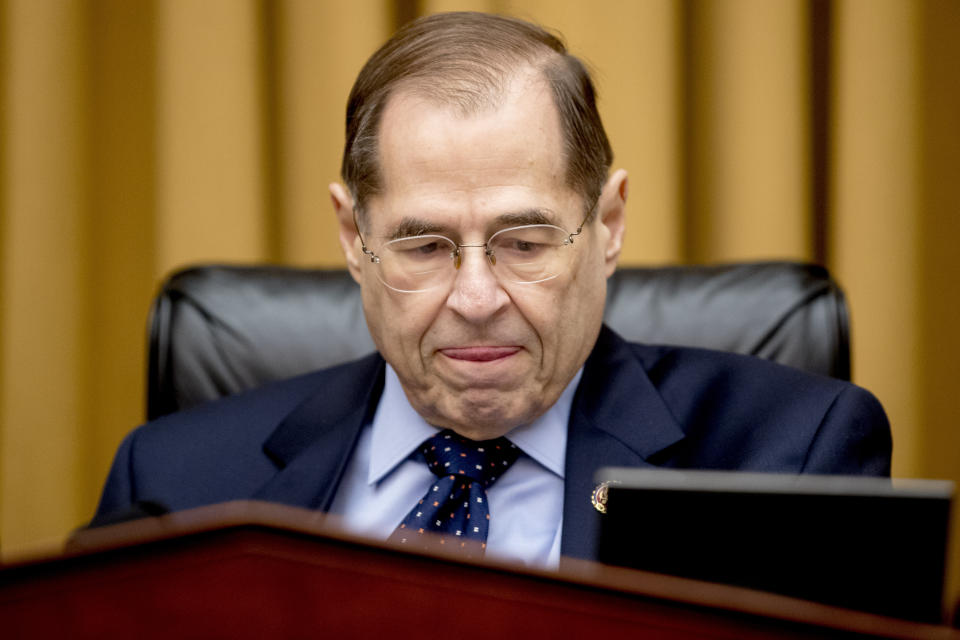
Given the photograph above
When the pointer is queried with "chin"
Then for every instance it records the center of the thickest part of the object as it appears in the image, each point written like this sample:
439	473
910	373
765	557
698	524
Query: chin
485	415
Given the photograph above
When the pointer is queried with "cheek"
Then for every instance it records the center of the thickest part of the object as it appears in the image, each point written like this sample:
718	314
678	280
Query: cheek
581	303
397	324
548	312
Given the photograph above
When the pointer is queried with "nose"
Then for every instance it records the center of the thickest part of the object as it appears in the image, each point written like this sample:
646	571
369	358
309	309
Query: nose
477	294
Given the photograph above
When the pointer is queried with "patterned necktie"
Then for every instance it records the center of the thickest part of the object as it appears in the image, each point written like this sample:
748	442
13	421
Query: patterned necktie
456	504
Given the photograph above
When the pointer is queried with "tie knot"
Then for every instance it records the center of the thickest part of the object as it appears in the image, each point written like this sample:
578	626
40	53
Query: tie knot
448	453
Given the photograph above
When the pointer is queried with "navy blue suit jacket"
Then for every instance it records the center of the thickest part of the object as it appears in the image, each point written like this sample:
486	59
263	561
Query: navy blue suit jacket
636	406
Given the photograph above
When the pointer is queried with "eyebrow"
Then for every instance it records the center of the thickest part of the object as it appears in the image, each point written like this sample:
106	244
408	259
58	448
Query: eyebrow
414	227
410	226
527	216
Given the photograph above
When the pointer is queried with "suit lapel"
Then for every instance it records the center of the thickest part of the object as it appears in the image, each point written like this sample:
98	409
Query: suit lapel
618	419
313	445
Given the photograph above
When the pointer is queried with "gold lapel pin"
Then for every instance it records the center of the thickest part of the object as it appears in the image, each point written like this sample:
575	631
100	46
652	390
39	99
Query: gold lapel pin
599	497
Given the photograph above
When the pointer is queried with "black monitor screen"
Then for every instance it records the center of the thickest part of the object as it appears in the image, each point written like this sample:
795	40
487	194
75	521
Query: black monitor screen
862	543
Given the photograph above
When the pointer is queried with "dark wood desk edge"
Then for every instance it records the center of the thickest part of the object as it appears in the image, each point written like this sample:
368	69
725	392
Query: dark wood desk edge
245	514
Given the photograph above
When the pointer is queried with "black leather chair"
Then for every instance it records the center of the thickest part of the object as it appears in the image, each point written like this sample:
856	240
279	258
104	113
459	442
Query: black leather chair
217	330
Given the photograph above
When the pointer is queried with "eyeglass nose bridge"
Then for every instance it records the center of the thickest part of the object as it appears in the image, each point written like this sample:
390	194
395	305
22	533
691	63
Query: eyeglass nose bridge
457	255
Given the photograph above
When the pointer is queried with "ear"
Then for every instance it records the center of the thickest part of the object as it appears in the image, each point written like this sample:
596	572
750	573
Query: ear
349	239
611	209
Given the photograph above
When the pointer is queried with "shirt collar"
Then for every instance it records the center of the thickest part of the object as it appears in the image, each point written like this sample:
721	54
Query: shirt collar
398	430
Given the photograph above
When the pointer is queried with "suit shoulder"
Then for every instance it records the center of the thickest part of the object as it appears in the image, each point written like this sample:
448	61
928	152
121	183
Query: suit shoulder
255	412
215	451
733	411
745	411
706	366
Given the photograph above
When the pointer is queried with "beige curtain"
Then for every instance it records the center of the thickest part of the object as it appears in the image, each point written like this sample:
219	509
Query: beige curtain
138	137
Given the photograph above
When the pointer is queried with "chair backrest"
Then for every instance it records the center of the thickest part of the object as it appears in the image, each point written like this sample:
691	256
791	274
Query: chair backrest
217	330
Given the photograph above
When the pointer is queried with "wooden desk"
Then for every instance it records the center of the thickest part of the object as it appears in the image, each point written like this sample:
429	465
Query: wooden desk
256	570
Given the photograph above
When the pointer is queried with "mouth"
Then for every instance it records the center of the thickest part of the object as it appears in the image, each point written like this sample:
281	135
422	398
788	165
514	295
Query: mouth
479	354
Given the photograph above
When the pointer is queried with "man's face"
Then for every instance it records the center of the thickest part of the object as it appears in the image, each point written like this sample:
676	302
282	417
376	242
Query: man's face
483	355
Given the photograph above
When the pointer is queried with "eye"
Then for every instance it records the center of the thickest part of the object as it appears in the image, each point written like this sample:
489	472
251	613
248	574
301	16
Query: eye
511	249
427	248
526	243
420	247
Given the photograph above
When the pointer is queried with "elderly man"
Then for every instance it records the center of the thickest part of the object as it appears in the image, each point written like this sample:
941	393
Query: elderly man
481	221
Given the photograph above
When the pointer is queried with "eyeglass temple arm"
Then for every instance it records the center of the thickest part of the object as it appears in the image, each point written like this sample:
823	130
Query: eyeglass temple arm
363	245
579	230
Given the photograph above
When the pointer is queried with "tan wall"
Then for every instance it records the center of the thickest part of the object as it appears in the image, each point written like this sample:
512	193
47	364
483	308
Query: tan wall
136	137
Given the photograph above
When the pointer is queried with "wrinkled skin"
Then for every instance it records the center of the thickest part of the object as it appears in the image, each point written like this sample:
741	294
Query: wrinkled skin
484	355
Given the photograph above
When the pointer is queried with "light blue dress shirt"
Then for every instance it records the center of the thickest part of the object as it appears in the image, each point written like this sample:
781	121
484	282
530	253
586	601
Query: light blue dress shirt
381	483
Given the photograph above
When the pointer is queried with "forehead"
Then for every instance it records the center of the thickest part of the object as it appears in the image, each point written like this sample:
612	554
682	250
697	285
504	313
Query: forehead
438	162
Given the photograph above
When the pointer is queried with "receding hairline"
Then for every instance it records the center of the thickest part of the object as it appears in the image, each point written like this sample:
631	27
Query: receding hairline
520	80
464	87
523	84
464	60
525	73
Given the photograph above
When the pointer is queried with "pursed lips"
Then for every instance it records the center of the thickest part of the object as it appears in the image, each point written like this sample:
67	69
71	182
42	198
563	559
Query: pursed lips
480	353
